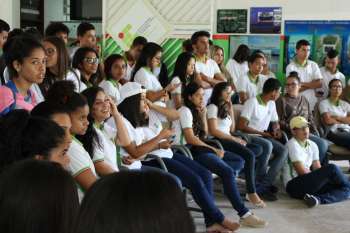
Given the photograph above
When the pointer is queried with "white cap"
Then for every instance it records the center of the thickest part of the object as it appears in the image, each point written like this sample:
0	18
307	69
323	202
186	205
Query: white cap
130	89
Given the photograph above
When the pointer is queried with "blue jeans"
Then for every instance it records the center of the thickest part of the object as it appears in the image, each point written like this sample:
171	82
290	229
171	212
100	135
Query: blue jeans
146	168
249	158
225	168
198	180
322	147
328	184
280	152
340	138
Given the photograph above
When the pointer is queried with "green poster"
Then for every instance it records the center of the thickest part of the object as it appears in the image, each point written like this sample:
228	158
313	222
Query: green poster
232	21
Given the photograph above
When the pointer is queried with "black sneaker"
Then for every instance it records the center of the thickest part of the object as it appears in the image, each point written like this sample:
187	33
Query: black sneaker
311	200
268	196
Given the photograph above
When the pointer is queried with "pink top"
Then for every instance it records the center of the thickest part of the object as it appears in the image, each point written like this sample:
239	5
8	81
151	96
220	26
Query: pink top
6	100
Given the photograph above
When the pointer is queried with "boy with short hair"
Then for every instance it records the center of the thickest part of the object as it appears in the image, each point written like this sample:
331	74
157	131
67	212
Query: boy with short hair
58	29
86	37
309	72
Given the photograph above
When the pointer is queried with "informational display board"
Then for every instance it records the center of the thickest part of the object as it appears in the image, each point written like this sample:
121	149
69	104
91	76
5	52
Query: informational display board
266	20
231	21
323	36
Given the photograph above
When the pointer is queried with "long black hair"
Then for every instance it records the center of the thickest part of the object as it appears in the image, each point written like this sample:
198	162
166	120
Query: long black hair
148	52
198	124
24	136
216	99
90	139
180	69
130	109
109	63
156	204
37	197
242	53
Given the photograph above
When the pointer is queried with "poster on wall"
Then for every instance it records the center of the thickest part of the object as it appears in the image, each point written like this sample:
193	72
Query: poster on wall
232	21
266	20
323	36
269	44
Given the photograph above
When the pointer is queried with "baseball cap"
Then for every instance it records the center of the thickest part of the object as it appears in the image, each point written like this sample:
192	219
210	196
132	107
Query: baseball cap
298	122
130	89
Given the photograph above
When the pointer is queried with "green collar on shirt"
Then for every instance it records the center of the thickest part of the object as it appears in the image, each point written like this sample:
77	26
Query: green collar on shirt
251	78
76	140
299	64
303	144
336	103
99	126
203	60
260	100
148	69
114	83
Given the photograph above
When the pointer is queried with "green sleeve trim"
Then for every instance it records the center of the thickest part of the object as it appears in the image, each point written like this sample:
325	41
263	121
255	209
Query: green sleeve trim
80	171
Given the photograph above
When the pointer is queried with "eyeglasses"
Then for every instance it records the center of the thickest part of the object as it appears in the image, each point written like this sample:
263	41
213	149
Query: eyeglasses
336	87
92	60
50	51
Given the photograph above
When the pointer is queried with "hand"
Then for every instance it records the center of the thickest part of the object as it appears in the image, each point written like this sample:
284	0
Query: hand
164	144
266	135
149	103
113	107
219	153
202	111
239	140
128	160
166	133
171	87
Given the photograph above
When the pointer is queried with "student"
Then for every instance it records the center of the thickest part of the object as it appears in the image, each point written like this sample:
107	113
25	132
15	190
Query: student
132	55
86	62
26	137
25	59
336	115
311	182
57	63
251	83
149	60
217	54
221	124
154	195
86	37
4	31
115	71
83	165
209	72
293	104
59	30
257	115
102	138
237	66
37	197
330	71
266	69
191	130
184	73
309	72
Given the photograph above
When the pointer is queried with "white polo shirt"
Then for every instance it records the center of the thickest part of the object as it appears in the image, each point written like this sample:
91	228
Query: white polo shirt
258	114
236	70
129	70
111	88
147	79
303	154
81	161
149	134
76	79
306	73
248	86
209	69
327	77
342	109
224	125
108	150
185	121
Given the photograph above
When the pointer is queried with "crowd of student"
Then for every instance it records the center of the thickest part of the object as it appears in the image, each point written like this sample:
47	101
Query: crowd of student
110	146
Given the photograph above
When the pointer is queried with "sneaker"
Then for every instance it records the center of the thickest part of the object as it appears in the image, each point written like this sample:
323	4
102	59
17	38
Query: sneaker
253	221
268	196
311	200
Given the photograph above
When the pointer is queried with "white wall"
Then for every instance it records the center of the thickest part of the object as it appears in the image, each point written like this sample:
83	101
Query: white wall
293	9
9	11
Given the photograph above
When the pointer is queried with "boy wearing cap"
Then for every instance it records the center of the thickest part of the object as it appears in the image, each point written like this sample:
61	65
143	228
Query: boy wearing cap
309	181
